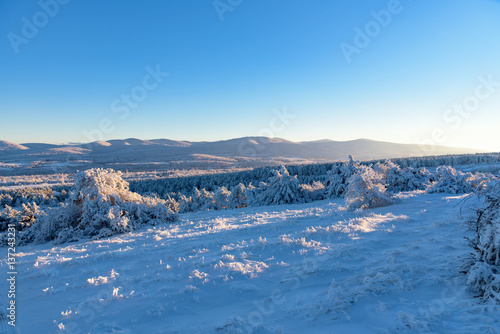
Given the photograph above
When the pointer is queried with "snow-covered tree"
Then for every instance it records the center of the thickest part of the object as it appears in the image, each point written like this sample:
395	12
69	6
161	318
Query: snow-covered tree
484	275
237	199
29	215
221	197
386	166
366	189
450	180
338	177
403	179
282	188
21	219
171	203
251	195
185	204
100	205
203	200
314	192
8	216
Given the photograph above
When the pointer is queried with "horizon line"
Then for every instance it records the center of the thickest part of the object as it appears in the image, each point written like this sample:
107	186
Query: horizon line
245	137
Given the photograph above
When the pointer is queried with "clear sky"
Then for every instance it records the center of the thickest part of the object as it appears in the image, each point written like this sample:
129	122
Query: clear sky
401	71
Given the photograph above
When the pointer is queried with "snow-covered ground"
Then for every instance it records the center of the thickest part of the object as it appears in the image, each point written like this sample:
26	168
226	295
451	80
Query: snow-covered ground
305	268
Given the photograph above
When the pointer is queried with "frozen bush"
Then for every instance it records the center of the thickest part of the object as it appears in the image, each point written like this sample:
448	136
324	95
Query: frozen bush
450	180
221	197
22	219
8	216
386	166
366	189
185	204
404	179
338	177
483	276
251	195
314	192
282	188
237	199
100	205
203	200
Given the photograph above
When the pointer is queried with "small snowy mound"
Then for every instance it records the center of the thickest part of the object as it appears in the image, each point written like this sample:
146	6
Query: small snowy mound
100	205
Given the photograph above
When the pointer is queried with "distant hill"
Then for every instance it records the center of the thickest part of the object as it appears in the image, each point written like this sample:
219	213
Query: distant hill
8	146
136	154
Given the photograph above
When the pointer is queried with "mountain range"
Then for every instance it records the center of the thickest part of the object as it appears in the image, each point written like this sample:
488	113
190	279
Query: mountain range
139	154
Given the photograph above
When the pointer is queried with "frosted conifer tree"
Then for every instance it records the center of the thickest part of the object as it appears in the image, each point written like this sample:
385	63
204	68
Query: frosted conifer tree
338	177
251	195
8	216
185	204
282	188
221	197
203	200
314	192
237	199
366	189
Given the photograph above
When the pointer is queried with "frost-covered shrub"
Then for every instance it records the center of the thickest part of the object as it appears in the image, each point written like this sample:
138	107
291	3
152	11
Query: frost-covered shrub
450	180
237	199
386	166
484	275
314	192
221	197
170	203
185	204
338	177
100	205
203	200
6	199
8	216
282	188
251	195
403	179
29	215
22	219
366	189
28	195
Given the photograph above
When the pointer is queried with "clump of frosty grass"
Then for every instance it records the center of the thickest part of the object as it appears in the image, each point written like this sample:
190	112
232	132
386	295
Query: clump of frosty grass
484	275
100	205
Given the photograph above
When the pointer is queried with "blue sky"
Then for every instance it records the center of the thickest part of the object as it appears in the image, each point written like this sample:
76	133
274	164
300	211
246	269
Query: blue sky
69	81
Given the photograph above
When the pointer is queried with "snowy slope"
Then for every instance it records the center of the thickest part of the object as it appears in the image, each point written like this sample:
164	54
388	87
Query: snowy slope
8	146
309	268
